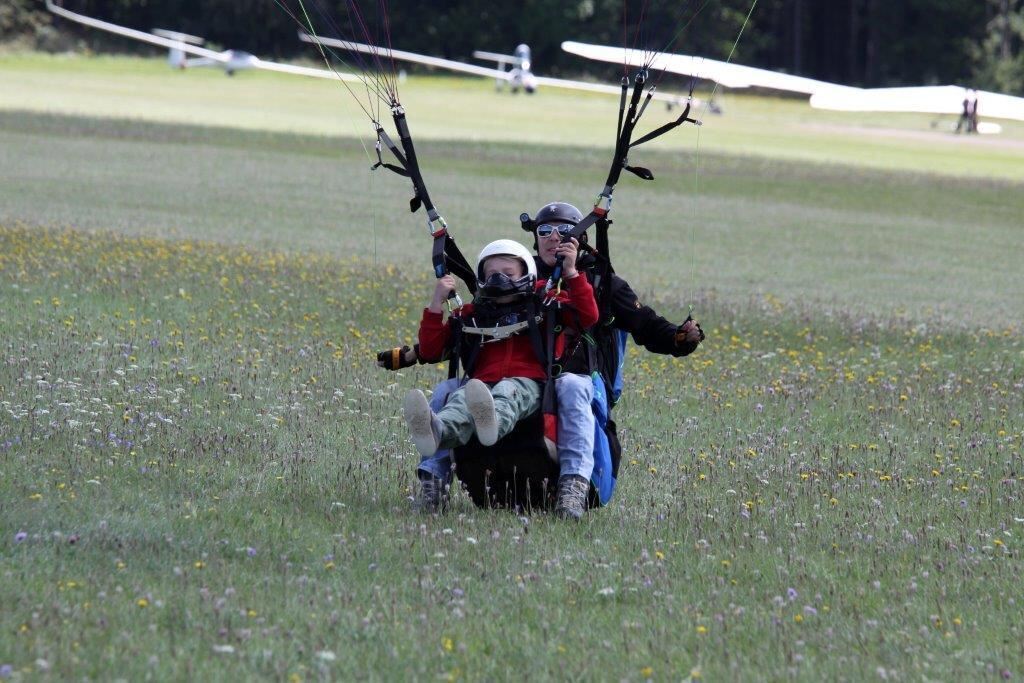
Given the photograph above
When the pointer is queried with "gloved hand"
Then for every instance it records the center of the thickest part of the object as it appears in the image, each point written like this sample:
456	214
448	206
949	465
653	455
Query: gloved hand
689	332
396	359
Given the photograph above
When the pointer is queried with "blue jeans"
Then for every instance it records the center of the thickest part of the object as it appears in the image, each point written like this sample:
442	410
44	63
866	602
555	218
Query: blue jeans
575	425
575	428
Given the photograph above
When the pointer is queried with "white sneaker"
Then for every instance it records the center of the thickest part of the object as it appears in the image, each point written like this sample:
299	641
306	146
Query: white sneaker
420	419
481	407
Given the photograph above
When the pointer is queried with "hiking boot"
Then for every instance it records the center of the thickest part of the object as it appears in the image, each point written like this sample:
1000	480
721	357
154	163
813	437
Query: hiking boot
421	421
572	497
480	404
433	495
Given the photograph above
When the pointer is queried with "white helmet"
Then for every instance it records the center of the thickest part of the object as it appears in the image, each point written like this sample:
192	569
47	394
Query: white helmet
523	285
506	248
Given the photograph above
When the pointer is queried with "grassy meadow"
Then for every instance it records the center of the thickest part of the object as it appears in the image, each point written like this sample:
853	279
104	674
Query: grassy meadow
203	476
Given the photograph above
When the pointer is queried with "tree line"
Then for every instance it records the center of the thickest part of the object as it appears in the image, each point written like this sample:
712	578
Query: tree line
869	43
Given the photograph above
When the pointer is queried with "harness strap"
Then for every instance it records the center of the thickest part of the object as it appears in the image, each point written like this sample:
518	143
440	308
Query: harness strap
533	322
549	401
445	254
456	353
658	132
497	333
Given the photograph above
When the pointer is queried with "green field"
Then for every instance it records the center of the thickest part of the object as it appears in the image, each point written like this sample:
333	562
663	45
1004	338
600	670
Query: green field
203	475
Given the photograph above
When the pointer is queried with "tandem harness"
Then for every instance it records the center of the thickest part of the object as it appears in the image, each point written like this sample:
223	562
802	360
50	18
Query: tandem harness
491	322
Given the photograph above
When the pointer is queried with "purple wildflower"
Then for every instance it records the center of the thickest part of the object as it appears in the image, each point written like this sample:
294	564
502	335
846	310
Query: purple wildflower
250	551
6	671
791	594
20	536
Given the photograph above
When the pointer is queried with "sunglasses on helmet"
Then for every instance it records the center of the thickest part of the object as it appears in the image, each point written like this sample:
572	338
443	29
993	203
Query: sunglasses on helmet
545	230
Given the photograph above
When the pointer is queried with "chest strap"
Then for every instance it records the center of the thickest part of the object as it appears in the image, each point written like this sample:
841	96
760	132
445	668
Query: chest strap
500	332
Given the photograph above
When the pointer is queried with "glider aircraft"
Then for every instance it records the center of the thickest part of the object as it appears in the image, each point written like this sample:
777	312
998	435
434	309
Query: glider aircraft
945	99
182	44
520	76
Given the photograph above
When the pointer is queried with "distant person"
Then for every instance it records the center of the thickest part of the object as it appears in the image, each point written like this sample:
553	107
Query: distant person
968	121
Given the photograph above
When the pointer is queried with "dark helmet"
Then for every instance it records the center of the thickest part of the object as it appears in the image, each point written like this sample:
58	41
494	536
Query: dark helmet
563	212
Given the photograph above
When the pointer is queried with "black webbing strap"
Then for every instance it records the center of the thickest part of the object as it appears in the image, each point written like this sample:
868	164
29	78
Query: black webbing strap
628	119
658	132
456	353
549	403
534	330
455	262
445	254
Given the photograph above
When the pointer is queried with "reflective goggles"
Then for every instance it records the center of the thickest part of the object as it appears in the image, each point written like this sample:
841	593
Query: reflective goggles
564	229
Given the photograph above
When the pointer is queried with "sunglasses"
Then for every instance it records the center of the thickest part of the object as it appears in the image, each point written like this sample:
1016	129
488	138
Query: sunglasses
564	229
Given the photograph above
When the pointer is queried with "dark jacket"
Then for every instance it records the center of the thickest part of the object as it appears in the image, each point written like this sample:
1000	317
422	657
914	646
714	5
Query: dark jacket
627	313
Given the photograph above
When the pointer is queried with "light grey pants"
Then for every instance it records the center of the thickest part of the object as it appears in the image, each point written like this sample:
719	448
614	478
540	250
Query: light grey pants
514	399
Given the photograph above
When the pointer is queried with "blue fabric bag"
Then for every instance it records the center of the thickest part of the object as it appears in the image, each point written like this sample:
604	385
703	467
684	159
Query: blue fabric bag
602	478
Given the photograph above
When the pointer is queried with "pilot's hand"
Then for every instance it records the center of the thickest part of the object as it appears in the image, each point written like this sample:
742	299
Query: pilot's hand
568	250
689	333
396	359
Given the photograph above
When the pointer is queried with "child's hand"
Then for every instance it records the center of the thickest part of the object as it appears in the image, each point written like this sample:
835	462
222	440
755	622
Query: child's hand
444	285
568	250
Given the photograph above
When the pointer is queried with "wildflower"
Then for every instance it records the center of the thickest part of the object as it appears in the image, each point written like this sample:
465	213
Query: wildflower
6	671
250	551
791	594
20	536
702	629
142	602
448	644
199	564
646	672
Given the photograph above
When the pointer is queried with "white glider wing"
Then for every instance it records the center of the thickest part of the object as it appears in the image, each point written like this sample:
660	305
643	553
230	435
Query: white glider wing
932	99
204	56
384	54
607	89
724	73
136	35
258	63
498	57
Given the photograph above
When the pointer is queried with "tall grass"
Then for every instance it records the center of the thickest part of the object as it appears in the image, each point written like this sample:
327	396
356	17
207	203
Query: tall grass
203	475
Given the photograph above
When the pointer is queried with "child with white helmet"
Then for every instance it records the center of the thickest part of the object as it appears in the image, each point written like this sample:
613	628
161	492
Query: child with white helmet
506	373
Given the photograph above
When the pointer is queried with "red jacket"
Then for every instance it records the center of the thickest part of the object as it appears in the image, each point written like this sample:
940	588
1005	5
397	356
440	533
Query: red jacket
512	357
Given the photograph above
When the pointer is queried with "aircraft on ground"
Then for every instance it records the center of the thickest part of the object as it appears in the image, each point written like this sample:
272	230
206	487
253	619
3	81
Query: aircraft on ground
520	76
929	99
947	99
182	44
